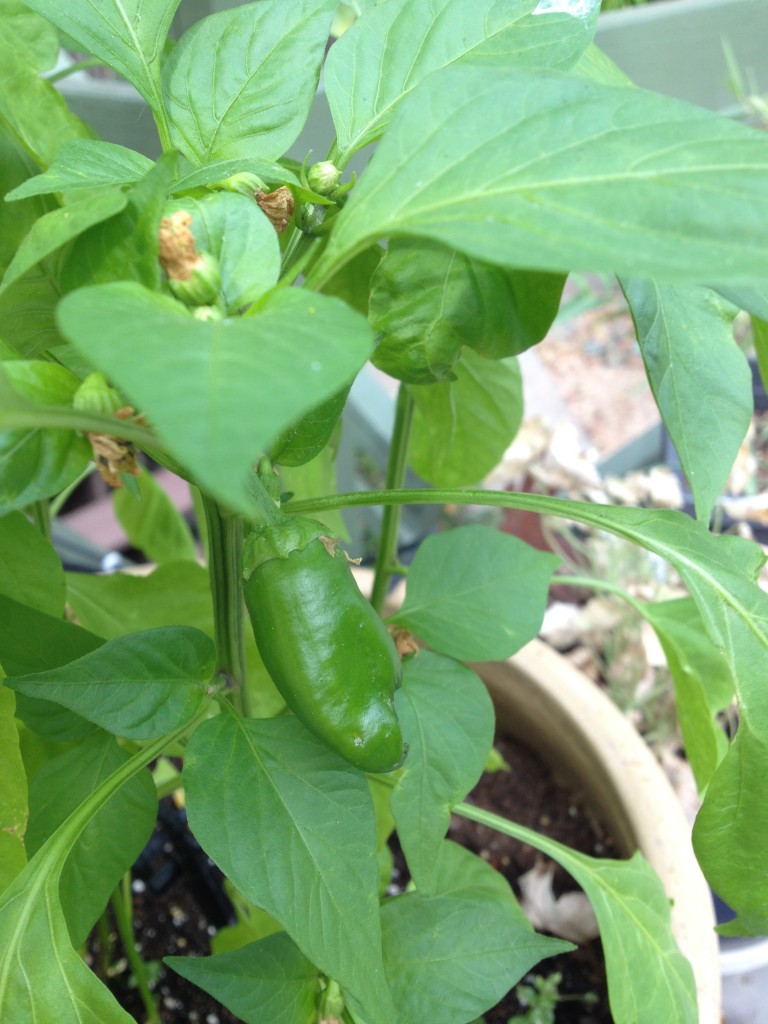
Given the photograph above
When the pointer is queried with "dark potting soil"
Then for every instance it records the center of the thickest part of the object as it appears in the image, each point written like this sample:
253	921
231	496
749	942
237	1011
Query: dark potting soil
179	904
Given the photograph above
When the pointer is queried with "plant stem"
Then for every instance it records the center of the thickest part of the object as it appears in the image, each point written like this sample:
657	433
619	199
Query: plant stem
538	841
55	504
595	584
386	557
40	514
80	65
105	943
225	545
122	906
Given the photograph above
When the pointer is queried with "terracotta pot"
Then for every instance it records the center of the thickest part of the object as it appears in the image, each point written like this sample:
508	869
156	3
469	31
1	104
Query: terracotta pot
542	698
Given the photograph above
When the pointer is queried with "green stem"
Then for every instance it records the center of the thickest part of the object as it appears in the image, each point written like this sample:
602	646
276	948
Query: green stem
41	517
557	851
105	943
55	505
80	65
297	253
386	556
225	546
594	584
122	906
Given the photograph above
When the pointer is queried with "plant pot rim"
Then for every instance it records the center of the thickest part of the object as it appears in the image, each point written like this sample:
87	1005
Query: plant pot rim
543	698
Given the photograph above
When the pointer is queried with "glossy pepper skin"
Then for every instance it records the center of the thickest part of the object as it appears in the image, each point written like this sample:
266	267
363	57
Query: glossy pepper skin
326	649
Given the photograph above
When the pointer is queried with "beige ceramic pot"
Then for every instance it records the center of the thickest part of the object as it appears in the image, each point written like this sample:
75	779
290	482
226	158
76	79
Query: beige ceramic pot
542	698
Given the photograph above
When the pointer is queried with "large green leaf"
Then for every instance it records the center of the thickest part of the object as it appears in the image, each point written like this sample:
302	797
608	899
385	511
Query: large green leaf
270	980
233	229
30	569
128	35
240	83
55	229
120	603
447	720
462	427
139	686
13	793
32	641
42	978
699	377
85	164
703	683
649	980
37	463
453	954
31	108
40	39
542	170
475	593
112	839
236	383
429	303
395	45
293	828
153	524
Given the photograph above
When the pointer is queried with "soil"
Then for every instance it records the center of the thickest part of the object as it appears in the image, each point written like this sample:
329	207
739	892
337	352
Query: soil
179	902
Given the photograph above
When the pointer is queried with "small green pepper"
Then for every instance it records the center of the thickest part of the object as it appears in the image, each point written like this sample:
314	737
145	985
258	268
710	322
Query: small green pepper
326	649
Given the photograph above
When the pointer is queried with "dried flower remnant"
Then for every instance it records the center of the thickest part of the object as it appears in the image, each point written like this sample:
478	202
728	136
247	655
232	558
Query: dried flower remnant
177	253
115	455
278	206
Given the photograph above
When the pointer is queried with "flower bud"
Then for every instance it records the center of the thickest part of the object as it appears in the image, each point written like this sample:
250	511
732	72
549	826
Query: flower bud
97	396
323	177
202	284
207	313
245	182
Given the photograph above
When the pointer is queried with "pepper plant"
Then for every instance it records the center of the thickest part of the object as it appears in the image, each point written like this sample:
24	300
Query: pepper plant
211	309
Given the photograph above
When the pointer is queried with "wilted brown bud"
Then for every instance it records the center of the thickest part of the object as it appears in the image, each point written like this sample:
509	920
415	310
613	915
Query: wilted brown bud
278	206
177	254
115	455
405	642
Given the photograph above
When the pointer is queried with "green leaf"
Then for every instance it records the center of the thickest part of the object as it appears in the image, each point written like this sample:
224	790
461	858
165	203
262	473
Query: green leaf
461	428
111	841
28	309
447	720
267	980
295	833
305	439
35	463
120	603
236	384
30	569
225	82
13	794
55	984
32	641
396	45
475	593
699	377
39	38
753	300
153	524
139	686
702	680
454	954
649	980
233	229
269	171
124	248
84	164
55	229
16	219
31	108
127	35
430	303
551	172
353	281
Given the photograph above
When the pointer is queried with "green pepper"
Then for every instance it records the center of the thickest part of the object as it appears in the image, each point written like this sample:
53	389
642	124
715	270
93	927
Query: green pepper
326	649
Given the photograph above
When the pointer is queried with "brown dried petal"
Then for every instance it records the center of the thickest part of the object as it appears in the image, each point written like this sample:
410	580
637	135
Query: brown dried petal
278	206
177	254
